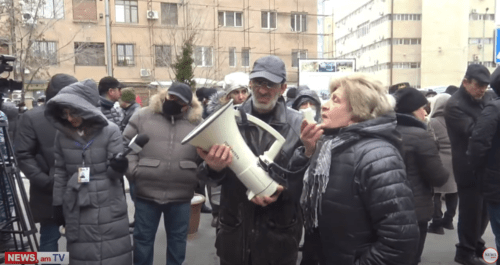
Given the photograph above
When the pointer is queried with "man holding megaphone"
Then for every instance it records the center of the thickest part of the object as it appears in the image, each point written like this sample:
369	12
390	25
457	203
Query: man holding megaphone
266	229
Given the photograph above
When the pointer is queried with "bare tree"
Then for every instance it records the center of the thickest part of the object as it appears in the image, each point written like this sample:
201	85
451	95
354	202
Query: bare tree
26	24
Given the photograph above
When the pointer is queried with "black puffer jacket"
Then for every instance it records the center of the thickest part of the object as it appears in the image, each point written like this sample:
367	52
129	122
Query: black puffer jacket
484	151
368	214
460	115
270	234
424	168
108	109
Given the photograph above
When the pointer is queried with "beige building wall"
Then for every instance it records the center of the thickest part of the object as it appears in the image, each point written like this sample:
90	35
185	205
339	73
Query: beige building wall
432	41
444	59
202	18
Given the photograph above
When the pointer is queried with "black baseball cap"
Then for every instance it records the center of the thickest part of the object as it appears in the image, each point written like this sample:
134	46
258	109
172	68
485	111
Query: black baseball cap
182	91
478	72
269	67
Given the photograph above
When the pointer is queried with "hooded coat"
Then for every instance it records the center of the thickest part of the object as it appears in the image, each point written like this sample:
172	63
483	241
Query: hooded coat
437	126
304	95
164	171
367	211
423	165
95	212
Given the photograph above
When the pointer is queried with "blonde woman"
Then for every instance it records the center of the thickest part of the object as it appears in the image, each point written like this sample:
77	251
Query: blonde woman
355	191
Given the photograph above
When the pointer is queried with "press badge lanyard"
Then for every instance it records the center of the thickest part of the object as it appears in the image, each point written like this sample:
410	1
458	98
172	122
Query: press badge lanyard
83	171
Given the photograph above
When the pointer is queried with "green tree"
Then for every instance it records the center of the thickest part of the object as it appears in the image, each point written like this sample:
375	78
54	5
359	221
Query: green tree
183	66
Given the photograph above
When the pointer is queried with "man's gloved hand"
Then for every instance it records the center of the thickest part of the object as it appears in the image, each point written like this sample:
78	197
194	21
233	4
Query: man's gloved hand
58	216
119	164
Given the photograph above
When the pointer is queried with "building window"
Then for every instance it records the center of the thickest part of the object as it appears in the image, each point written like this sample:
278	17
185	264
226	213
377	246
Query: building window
203	56
299	22
406	65
245	57
45	52
407	17
296	55
232	56
89	53
51	9
84	10
475	16
487	64
480	41
230	19
407	41
125	54
163	55
363	29
169	14
126	11
268	19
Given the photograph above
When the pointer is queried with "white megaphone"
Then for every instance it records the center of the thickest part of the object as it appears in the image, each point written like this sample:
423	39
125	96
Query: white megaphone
221	128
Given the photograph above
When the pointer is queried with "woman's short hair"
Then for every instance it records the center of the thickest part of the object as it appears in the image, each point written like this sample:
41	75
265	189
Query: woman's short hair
366	96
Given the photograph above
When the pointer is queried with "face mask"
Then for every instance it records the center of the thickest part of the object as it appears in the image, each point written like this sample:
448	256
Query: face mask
171	107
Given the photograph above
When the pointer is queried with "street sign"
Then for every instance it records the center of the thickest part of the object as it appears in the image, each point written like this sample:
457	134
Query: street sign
497	46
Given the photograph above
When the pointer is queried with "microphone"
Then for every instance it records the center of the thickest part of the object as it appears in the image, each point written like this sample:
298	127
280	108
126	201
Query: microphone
136	145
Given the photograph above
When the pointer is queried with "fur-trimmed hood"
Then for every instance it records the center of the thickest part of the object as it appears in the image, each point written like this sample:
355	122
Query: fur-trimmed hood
194	114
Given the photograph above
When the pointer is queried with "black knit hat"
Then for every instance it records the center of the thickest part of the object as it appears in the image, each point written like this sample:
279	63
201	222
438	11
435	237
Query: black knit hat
182	91
409	100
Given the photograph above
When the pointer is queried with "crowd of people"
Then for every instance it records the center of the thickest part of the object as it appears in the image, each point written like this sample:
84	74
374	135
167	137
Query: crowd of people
361	184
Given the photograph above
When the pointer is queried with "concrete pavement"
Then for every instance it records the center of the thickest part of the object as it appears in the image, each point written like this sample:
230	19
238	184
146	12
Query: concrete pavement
439	249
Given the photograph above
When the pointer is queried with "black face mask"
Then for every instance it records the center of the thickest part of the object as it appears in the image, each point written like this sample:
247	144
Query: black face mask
171	107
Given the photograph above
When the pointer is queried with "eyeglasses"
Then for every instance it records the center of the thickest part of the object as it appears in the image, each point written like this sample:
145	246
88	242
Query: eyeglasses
265	84
68	112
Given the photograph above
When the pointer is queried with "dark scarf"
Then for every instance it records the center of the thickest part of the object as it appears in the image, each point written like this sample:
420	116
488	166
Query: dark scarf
318	174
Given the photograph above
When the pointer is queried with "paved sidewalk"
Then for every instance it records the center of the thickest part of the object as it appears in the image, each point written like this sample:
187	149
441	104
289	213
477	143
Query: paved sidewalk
439	249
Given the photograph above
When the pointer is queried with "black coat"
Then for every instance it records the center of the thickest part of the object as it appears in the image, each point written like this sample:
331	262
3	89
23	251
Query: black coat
484	151
460	115
35	155
271	234
424	168
368	214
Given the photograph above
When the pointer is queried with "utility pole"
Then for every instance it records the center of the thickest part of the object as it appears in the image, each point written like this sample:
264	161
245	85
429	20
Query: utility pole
484	33
109	58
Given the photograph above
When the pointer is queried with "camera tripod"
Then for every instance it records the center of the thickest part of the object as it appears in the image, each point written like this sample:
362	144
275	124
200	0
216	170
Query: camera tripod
16	219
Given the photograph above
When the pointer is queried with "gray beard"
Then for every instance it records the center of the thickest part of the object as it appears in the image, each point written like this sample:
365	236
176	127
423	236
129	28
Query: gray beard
264	107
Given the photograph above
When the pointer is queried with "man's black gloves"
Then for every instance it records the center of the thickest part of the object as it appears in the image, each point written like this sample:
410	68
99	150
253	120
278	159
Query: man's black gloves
119	164
58	216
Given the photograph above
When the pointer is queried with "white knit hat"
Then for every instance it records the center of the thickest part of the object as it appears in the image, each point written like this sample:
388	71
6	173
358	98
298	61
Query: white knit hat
236	80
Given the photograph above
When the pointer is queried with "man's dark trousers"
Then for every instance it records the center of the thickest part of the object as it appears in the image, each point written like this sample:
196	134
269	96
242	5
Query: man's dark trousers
472	221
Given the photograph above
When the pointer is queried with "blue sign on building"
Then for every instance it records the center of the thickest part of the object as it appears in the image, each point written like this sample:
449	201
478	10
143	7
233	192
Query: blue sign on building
497	46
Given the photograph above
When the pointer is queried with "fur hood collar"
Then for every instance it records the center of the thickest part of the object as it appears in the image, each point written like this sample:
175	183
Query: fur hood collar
193	115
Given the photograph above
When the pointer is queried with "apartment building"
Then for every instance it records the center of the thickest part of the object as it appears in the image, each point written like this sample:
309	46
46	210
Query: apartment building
423	42
147	35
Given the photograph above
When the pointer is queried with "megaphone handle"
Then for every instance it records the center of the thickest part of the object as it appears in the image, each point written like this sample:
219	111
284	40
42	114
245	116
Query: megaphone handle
280	140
